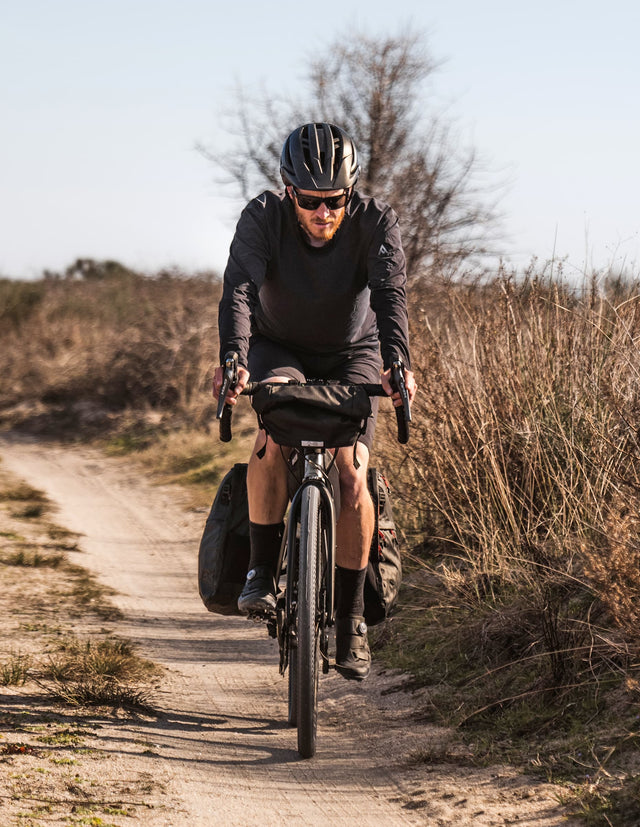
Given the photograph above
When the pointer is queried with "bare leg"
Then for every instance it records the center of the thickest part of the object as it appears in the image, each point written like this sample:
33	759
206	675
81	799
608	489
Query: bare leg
355	532
267	479
267	493
357	520
267	483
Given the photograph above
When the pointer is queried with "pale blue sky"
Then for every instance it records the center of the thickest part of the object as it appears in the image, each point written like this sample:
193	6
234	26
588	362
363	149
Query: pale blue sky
103	101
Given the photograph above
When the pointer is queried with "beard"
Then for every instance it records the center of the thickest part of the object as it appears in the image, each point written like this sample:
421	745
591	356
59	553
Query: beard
319	231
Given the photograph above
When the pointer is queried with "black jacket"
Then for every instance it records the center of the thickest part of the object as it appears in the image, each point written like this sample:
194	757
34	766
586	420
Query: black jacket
348	293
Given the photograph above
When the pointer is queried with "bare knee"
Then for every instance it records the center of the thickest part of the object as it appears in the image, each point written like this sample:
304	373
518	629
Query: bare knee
266	482
266	452
354	491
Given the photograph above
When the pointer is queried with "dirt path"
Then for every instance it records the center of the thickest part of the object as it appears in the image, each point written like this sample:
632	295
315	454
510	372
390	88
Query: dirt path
220	750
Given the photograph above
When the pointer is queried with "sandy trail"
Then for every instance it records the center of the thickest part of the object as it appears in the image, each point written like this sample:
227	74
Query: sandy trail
221	751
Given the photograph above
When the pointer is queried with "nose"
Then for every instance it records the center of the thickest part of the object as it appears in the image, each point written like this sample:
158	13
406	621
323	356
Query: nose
323	211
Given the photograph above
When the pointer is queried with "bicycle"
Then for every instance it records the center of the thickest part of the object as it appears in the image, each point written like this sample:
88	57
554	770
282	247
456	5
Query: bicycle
306	569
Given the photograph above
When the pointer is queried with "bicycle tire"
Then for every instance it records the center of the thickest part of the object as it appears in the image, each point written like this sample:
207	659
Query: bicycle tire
308	655
292	718
292	637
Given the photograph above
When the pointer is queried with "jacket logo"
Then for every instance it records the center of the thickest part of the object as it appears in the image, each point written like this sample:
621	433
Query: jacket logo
384	252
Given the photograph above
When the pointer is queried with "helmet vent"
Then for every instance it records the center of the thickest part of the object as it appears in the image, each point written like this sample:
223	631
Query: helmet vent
319	156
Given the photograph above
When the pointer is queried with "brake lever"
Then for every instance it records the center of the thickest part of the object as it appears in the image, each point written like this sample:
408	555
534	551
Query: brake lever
403	412
229	381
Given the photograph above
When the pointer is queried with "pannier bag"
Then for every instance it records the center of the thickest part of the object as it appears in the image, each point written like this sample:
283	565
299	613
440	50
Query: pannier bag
223	558
384	572
313	415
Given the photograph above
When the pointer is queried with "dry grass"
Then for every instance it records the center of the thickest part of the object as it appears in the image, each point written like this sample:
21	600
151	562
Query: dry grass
519	494
104	672
524	463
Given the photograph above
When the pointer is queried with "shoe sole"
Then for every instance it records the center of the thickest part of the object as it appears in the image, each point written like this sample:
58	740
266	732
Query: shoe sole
351	676
263	609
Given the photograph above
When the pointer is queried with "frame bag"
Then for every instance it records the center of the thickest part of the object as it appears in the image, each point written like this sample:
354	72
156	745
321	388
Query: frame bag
223	558
384	572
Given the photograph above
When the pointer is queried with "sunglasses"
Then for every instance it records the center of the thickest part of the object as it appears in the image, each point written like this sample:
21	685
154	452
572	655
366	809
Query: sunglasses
313	202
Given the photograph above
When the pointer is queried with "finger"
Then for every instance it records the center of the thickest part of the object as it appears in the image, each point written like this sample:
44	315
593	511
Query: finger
384	381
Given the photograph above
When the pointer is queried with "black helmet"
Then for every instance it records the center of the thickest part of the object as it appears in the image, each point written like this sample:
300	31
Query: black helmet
319	156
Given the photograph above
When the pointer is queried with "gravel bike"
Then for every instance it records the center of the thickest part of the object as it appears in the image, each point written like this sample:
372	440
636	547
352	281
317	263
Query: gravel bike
306	570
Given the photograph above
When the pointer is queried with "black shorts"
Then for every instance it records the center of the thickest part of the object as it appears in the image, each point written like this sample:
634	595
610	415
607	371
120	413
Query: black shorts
362	364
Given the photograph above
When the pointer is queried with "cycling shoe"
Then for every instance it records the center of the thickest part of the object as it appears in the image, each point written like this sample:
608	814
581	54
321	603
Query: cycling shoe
258	594
353	657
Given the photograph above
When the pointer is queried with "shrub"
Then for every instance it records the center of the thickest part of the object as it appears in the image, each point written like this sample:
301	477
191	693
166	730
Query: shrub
108	337
18	299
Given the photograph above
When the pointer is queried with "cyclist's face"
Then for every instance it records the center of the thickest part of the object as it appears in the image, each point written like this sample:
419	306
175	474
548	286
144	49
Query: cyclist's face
319	225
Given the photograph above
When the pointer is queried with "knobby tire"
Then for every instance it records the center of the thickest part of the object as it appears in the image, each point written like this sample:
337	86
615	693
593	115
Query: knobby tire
307	660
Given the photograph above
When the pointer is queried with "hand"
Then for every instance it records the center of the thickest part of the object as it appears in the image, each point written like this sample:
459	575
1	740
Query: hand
233	393
409	380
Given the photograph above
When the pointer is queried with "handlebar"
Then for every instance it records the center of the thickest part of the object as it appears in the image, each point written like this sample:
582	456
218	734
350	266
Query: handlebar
403	412
223	414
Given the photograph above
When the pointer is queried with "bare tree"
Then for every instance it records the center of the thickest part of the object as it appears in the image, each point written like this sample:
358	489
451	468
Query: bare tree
372	87
375	88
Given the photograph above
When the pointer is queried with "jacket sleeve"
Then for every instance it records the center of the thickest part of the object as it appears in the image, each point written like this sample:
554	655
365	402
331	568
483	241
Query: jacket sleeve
243	276
387	282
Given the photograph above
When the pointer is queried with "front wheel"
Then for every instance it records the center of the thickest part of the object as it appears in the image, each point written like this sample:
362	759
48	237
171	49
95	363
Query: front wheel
307	655
293	682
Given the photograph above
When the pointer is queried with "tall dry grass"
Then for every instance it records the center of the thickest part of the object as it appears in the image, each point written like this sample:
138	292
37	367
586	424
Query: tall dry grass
521	488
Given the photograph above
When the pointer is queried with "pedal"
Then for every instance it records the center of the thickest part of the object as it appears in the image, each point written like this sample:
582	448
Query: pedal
262	616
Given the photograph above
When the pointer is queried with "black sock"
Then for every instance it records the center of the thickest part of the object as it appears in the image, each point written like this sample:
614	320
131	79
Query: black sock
265	544
350	591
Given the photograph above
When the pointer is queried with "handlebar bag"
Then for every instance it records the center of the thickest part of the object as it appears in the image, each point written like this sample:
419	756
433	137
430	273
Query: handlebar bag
312	415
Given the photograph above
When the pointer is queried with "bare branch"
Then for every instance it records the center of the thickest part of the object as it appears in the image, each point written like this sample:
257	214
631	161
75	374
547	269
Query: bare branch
376	89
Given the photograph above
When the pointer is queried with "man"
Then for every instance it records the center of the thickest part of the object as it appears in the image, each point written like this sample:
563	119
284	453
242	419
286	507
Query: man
315	289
